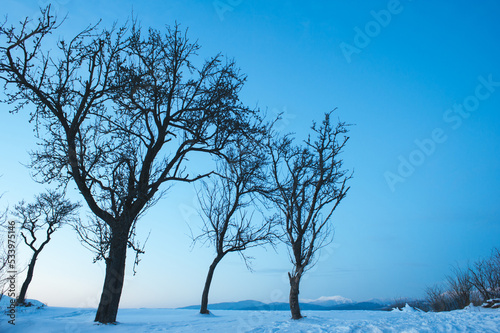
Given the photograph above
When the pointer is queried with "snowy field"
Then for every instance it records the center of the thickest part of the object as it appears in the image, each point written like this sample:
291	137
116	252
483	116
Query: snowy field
53	319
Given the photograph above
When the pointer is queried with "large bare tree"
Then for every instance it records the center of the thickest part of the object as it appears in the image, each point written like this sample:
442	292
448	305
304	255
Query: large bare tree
39	220
309	183
228	204
119	112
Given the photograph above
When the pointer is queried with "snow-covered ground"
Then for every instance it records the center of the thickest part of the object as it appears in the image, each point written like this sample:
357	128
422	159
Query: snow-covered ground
73	320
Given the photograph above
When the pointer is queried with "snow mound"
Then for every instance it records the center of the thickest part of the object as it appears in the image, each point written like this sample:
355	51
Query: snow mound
34	303
407	309
6	301
471	308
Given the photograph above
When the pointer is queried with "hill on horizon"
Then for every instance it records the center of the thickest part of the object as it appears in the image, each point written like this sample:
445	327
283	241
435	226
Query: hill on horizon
321	304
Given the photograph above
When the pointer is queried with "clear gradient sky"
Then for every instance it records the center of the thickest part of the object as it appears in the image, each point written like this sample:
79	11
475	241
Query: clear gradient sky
421	82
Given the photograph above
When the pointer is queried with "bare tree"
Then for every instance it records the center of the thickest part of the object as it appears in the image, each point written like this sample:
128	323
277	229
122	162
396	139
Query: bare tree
475	284
39	221
119	113
494	273
439	299
309	184
460	287
480	278
485	276
228	203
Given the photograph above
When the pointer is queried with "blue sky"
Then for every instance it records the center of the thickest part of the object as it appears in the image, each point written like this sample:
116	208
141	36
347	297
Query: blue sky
426	185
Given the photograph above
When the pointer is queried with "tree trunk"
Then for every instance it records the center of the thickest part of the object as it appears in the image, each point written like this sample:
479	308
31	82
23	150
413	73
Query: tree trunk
294	295
31	267
204	296
113	281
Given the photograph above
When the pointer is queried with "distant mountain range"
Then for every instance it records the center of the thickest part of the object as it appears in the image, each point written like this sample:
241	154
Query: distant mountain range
329	301
321	304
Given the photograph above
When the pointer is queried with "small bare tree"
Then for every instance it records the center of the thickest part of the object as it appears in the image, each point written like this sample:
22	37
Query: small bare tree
460	287
309	184
439	299
39	221
485	276
227	203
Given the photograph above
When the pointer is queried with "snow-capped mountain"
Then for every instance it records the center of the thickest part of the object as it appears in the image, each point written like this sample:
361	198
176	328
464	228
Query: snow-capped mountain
329	301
